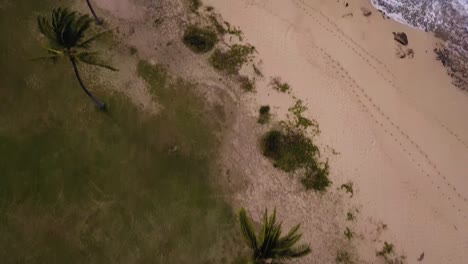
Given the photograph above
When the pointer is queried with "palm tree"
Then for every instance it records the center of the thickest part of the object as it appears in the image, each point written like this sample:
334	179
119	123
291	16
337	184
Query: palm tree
98	20
269	246
66	36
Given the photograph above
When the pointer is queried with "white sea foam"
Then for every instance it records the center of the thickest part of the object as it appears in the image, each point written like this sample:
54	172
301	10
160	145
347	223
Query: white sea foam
447	18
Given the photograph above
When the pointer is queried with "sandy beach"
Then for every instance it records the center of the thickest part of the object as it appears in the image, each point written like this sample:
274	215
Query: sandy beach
398	124
395	127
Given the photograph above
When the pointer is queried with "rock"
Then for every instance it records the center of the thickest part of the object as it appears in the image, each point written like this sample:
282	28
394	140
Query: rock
401	38
366	12
410	53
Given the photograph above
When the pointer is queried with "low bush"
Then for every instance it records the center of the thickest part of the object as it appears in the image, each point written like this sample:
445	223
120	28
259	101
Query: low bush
280	86
200	40
348	187
292	149
247	84
195	5
232	60
264	114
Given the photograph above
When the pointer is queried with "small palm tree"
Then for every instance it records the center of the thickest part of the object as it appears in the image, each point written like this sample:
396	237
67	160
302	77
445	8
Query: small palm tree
98	20
269	246
66	36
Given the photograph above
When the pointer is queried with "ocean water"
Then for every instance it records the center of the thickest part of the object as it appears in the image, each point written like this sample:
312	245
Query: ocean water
448	19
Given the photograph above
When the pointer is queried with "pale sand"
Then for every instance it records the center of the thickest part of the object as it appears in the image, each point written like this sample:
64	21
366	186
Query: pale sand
399	124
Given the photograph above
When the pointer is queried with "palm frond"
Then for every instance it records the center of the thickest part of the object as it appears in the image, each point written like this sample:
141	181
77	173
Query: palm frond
92	59
271	245
87	42
290	239
45	27
299	251
247	229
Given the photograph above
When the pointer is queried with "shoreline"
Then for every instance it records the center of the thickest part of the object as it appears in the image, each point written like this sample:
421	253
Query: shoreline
449	52
404	155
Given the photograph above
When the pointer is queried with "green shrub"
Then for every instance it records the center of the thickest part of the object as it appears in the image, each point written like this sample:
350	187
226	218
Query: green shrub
264	114
200	40
280	86
291	149
348	187
195	5
316	177
232	60
247	84
272	144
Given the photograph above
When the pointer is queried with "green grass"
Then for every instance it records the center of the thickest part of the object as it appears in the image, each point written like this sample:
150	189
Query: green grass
200	40
232	60
81	186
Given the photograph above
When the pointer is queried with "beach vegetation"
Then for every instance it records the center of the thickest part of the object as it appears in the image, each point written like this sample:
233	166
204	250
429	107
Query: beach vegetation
218	26
68	36
292	148
269	246
264	114
279	85
195	5
257	71
247	84
232	30
348	233
231	61
343	257
387	250
199	40
350	216
348	187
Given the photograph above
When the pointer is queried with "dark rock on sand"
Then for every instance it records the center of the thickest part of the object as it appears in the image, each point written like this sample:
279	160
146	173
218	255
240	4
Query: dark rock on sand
401	38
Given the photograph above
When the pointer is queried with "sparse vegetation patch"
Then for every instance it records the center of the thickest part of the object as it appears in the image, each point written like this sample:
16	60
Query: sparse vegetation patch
343	257
279	85
292	148
219	28
232	60
195	5
247	84
348	187
200	40
264	114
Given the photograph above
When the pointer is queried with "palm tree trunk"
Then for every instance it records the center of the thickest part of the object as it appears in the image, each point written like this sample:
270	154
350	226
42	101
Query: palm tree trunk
98	20
99	104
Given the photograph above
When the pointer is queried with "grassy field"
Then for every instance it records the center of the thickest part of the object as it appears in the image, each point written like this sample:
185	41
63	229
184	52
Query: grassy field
81	186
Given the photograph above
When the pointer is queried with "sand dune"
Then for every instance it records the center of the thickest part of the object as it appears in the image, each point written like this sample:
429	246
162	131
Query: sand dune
398	123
